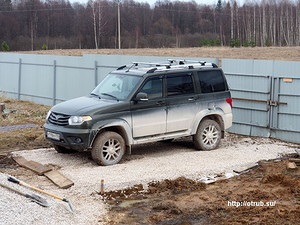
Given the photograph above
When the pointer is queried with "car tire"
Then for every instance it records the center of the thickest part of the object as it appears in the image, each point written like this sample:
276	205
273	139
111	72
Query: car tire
63	150
108	148
208	135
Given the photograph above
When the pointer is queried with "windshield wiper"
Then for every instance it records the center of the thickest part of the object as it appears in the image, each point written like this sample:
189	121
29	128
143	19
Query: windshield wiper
110	96
93	94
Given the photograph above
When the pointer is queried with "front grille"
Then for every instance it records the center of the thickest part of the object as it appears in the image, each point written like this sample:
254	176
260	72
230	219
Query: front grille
58	119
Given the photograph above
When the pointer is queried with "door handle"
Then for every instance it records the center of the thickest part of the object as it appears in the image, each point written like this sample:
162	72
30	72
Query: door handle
192	99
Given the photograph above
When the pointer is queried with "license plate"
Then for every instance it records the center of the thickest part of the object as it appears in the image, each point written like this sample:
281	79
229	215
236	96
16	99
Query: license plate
53	136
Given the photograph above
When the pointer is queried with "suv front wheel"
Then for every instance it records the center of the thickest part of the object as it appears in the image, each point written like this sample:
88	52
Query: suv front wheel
108	149
208	135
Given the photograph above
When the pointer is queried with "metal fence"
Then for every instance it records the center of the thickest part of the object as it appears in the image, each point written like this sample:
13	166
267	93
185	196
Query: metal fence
49	79
265	92
266	98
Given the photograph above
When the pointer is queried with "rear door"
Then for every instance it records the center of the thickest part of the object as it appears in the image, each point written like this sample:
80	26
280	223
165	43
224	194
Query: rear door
214	89
181	101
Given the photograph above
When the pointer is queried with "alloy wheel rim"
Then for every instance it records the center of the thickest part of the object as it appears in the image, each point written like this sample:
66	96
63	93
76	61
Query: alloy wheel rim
210	135
111	150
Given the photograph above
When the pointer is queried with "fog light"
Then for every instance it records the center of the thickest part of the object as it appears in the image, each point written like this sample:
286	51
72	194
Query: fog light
77	140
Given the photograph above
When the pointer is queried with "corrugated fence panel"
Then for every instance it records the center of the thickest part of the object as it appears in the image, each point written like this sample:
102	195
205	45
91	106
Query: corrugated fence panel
286	69
286	113
50	79
33	80
250	92
265	92
9	76
73	82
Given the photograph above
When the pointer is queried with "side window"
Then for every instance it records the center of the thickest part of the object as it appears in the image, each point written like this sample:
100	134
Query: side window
211	81
153	87
178	85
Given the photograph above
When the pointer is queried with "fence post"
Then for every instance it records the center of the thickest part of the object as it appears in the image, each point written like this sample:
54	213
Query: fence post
54	82
19	79
219	62
96	73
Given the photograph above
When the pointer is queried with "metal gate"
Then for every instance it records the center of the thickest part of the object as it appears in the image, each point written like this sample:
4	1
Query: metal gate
285	109
264	105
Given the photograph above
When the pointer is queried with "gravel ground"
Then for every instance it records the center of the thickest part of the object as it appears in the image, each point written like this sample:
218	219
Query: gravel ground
151	162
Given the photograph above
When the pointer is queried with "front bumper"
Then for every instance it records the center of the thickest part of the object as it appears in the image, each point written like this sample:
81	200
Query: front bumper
71	138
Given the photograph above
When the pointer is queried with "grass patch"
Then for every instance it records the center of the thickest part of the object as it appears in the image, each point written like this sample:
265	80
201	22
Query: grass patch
22	112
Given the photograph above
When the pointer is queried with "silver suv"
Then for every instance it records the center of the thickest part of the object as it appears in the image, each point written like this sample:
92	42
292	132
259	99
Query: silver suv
141	103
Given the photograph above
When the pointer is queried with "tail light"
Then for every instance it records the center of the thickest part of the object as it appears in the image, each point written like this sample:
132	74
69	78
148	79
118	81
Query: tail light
229	101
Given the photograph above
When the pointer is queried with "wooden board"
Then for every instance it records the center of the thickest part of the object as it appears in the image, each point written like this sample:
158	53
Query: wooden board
36	167
2	107
295	160
59	179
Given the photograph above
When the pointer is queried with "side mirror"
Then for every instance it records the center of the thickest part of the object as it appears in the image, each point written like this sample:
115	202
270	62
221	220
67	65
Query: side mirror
141	96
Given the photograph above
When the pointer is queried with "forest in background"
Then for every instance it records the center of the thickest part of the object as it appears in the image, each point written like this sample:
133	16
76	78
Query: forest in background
58	24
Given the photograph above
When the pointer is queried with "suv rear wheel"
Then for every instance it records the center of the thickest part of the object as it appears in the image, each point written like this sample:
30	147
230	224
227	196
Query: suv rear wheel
108	149
208	135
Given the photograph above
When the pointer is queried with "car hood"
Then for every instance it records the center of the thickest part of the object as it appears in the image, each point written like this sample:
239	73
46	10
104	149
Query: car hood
82	105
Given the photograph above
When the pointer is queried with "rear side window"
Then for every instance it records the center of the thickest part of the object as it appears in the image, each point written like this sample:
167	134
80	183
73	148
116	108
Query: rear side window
179	84
211	81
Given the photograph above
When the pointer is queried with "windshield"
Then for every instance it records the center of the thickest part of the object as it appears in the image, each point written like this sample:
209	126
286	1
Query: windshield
116	86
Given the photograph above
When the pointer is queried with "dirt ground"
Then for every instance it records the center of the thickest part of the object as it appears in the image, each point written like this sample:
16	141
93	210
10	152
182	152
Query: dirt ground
268	53
22	112
268	194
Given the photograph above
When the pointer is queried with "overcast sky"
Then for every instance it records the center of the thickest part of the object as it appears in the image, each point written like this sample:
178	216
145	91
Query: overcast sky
151	2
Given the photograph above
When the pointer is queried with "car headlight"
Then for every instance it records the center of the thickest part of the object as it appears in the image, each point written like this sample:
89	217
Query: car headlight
78	120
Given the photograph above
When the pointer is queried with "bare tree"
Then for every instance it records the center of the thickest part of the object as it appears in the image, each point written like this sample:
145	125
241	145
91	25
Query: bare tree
231	22
98	20
219	21
297	25
236	12
58	23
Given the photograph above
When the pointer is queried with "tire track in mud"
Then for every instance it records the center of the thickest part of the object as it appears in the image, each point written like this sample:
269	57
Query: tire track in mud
17	127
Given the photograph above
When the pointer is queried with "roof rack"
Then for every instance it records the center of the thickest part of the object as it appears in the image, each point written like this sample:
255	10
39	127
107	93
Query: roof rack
121	67
192	63
174	64
185	61
167	65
